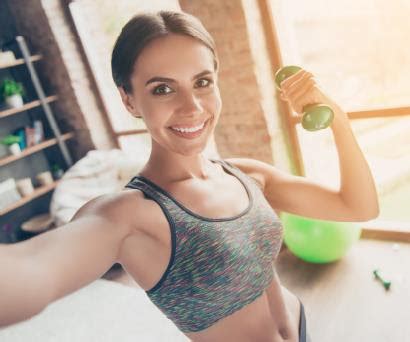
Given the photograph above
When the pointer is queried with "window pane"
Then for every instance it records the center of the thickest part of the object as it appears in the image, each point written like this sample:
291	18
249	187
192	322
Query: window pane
98	24
357	49
386	145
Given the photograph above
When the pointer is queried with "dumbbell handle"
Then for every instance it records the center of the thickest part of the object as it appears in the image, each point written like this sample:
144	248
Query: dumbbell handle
315	116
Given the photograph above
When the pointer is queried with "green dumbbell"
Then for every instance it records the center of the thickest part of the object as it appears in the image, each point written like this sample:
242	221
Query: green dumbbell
378	276
315	116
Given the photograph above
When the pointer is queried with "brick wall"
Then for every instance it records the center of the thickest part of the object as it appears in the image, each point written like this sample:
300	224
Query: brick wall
265	75
45	25
242	130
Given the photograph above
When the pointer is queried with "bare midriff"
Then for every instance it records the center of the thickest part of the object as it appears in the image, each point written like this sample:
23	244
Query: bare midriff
260	321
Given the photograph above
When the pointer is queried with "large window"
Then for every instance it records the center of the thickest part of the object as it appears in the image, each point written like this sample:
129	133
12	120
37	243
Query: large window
357	50
98	24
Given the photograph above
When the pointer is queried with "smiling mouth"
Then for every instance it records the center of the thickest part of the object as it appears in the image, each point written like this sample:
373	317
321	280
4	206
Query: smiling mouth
190	132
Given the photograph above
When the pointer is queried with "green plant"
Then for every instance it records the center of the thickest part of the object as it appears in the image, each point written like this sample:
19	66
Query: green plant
10	139
55	168
10	87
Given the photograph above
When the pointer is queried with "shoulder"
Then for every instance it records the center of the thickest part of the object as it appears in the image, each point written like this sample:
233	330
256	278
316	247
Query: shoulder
258	170
120	208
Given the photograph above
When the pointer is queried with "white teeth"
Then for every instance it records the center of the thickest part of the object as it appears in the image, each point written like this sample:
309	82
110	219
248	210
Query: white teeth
190	130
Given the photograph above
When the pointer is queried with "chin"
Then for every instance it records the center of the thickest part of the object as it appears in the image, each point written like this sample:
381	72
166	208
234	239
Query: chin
191	152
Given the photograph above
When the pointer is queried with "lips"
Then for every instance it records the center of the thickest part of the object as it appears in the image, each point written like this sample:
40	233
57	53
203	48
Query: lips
188	126
190	135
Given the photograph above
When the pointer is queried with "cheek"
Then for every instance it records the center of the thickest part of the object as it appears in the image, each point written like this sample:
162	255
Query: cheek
216	103
155	112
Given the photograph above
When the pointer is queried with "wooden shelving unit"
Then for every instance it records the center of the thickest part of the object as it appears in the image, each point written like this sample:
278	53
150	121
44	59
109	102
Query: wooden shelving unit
58	138
20	61
37	193
34	149
26	106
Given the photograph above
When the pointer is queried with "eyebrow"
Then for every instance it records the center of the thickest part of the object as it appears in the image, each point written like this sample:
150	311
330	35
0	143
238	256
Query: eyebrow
166	79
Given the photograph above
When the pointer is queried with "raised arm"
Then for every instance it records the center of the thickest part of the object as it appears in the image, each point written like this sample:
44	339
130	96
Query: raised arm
38	271
355	200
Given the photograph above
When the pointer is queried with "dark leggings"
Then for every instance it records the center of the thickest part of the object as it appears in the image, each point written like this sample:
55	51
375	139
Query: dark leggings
303	335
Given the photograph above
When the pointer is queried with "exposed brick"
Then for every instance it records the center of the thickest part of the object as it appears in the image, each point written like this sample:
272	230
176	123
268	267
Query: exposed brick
242	126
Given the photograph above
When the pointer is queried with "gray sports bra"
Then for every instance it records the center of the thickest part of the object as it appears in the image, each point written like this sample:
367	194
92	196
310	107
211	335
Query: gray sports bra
217	265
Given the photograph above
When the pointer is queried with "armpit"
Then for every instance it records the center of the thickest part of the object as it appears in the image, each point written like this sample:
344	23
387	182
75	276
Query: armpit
258	182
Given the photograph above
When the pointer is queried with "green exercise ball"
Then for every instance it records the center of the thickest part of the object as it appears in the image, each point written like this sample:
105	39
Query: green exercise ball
318	241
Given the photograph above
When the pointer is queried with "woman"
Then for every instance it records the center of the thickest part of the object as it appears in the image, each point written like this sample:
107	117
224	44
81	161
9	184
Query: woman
200	236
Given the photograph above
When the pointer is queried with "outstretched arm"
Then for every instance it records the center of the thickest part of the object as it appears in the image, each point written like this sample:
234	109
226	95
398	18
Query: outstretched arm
356	200
38	271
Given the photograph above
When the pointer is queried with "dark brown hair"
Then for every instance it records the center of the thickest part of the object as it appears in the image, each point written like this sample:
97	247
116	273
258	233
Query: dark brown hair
143	28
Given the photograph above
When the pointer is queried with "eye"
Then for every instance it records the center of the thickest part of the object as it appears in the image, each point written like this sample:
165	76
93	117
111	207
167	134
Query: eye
162	89
204	82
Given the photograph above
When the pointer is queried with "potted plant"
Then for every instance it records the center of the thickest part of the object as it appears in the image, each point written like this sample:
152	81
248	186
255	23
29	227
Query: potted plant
11	92
12	141
57	171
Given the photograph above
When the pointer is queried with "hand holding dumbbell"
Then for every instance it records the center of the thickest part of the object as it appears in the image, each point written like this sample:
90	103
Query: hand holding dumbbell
316	116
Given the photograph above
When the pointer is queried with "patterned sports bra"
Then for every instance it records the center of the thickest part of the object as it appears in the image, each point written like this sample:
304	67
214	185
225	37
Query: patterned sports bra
217	265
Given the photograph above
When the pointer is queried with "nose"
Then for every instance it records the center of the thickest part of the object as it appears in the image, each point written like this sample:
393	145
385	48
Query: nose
190	105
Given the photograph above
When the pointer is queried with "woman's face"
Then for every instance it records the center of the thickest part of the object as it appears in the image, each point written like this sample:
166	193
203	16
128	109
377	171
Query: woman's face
175	88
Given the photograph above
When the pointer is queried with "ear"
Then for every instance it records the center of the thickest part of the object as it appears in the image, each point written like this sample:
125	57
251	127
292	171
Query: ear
128	102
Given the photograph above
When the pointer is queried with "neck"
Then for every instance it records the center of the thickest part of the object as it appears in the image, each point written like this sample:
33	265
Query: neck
172	167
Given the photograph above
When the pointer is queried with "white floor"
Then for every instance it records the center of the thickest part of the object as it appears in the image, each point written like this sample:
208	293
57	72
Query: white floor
104	311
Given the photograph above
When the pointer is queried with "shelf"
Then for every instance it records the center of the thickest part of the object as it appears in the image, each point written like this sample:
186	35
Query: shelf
20	61
37	193
33	149
55	140
26	106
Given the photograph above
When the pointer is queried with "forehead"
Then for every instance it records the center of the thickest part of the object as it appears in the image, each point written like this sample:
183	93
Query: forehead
173	56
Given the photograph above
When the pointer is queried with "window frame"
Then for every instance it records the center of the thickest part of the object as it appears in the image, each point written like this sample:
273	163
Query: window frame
384	230
115	134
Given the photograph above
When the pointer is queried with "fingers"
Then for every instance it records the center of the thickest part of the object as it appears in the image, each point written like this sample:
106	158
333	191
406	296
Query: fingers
291	88
298	90
285	84
294	82
302	96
